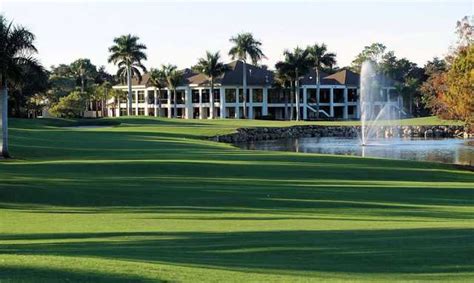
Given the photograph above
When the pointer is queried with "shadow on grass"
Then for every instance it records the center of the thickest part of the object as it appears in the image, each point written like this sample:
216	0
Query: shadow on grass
346	251
43	274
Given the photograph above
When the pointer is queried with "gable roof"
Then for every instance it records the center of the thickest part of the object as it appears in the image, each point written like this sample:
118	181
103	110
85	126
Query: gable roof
145	80
258	76
310	78
233	76
345	77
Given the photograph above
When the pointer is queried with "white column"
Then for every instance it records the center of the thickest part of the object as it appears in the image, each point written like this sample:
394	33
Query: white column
188	101
237	104
136	102
200	104
250	104
331	102
346	106
168	92
305	103
146	102
222	102
265	102
155	95
117	110
211	108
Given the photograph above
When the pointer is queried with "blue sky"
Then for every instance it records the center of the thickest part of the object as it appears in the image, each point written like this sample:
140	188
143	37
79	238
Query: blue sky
180	32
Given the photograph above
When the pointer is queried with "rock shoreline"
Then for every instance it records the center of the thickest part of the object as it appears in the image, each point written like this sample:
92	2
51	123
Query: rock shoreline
274	133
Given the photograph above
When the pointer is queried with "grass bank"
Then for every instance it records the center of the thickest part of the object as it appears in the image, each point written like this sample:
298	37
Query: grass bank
151	199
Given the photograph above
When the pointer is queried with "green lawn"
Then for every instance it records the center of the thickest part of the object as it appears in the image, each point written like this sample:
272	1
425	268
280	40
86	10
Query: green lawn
152	199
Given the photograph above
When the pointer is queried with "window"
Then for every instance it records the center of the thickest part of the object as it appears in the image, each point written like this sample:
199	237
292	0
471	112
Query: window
257	95
134	111
324	94
278	95
123	111
352	95
164	96
141	96
338	112
257	112
195	95
141	111
311	93
134	96
241	96
230	95
180	96
351	110
217	95
338	95
205	96
151	97
231	111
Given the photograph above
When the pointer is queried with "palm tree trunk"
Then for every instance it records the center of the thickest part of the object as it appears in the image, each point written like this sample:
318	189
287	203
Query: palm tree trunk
292	99
285	98
129	96
244	87
82	84
4	121
297	90
317	92
175	107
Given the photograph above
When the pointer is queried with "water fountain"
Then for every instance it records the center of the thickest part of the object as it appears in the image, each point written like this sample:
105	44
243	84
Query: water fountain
380	135
375	106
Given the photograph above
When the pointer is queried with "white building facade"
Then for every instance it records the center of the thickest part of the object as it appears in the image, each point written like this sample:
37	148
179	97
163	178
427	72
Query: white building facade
338	97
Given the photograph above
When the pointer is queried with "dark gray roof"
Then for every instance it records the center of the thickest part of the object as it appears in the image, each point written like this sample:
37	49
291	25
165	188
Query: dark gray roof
258	76
233	76
310	78
345	77
145	80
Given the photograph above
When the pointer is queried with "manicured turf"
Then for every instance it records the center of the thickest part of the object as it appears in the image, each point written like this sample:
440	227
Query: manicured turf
152	200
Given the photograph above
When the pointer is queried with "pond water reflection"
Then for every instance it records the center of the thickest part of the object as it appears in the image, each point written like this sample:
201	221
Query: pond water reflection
456	151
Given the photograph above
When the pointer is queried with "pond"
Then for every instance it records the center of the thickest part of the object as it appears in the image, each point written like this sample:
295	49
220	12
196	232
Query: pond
455	151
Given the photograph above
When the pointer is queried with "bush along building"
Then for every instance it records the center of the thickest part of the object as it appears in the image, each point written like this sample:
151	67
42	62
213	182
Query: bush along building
338	96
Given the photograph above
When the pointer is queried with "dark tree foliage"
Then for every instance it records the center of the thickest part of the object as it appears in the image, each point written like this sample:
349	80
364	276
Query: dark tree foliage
33	81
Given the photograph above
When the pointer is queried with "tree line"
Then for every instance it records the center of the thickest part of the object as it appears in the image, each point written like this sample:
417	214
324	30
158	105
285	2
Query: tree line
443	86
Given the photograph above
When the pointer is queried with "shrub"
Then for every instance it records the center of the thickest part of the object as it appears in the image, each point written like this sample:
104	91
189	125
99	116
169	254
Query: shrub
71	106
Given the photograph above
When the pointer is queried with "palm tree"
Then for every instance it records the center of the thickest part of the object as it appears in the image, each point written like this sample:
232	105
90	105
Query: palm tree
296	64
83	69
321	58
212	68
106	94
174	77
158	80
16	47
282	82
245	45
127	53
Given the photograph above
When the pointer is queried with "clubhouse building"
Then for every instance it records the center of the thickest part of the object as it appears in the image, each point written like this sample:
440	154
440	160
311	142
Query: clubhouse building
339	96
